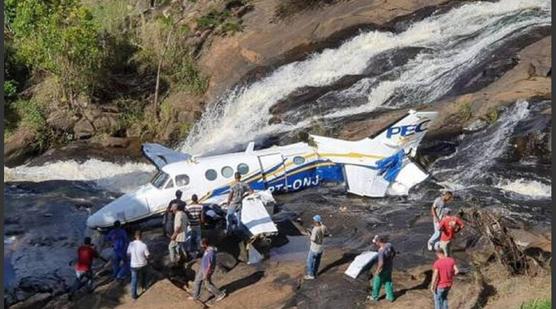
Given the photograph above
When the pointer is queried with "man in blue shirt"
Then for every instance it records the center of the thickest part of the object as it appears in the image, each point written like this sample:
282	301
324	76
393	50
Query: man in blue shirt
120	263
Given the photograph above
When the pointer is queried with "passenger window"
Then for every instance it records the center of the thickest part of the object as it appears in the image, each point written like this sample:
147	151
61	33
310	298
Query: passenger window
227	171
211	174
298	160
243	168
170	184
182	180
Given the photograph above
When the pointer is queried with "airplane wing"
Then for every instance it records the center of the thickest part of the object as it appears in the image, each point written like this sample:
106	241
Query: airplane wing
160	155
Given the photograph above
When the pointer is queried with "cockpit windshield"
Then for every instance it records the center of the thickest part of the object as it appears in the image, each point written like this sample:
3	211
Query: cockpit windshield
160	179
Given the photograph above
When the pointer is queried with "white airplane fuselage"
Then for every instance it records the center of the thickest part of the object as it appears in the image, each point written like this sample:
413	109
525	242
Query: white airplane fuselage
278	169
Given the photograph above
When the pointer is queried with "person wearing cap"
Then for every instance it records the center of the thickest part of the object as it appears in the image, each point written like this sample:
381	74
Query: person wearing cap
444	270
383	272
449	226
437	212
317	246
237	192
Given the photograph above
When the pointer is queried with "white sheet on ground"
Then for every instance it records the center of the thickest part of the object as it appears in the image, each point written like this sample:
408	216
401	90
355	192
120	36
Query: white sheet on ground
359	263
365	181
254	215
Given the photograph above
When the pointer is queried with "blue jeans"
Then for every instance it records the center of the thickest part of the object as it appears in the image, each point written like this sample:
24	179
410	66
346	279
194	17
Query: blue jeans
435	236
138	275
120	265
232	219
441	298
193	239
313	263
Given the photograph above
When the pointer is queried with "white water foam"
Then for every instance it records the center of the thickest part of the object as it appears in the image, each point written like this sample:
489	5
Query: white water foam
473	158
457	40
530	188
108	175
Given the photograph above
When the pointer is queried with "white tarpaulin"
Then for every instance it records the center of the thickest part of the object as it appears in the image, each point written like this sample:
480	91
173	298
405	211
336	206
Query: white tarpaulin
365	181
254	215
359	263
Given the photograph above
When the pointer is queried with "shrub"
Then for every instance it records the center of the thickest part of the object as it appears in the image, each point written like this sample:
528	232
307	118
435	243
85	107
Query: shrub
465	111
537	304
60	37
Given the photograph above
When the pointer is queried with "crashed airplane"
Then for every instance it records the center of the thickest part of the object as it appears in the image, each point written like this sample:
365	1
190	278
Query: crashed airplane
374	167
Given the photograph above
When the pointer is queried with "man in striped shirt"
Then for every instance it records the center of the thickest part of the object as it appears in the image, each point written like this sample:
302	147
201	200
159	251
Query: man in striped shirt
195	214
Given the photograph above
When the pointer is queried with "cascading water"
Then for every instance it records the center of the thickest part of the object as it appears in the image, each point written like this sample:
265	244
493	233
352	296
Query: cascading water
453	43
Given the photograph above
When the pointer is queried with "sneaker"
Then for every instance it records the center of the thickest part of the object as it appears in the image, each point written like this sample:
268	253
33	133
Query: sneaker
429	246
308	277
371	299
220	297
191	298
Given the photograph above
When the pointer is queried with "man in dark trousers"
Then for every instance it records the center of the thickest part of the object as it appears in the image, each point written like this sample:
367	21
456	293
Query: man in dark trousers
444	270
120	263
204	274
383	272
86	253
168	218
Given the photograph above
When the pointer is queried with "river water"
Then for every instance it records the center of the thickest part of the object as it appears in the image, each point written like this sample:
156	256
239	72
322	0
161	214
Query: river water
47	205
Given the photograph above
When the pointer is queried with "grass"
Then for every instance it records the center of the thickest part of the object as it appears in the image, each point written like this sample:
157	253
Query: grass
465	111
537	304
492	115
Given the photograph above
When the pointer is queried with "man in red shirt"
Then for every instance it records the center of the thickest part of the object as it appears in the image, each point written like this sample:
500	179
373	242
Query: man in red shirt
85	256
449	226
444	270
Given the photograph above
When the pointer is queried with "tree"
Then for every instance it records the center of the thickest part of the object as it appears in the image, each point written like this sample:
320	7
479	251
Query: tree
60	37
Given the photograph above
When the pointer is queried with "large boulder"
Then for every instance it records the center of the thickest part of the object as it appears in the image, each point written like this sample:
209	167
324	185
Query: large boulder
83	129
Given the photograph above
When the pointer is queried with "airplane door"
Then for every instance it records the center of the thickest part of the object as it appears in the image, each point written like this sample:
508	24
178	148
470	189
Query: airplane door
273	172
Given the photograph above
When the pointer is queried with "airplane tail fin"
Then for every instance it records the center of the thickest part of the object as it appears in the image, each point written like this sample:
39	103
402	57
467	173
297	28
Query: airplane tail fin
405	133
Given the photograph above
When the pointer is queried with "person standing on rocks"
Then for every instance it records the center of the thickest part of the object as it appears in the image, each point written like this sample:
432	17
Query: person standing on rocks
177	240
317	247
195	215
383	272
449	226
120	263
204	274
437	214
139	255
237	192
168	218
444	270
86	253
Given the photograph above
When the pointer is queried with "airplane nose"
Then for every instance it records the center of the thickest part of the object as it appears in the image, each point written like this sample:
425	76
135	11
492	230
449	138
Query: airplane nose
127	208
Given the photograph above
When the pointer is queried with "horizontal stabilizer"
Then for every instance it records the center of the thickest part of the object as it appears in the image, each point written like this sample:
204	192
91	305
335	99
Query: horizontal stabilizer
160	155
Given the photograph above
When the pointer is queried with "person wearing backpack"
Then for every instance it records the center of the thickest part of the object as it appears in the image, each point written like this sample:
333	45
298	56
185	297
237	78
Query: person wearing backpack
383	272
120	262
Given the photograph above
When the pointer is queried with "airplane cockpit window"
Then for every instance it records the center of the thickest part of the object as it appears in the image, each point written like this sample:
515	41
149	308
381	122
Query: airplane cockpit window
298	160
211	174
182	180
243	168
170	184
160	179
227	171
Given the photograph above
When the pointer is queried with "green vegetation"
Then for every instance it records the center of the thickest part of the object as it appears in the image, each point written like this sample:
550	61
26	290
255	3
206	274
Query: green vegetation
465	111
491	116
71	56
537	304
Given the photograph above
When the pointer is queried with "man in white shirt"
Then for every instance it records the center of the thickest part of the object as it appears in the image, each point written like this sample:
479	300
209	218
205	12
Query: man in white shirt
437	212
139	255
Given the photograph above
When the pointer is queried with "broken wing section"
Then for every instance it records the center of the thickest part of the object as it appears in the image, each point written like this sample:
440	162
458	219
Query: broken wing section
160	155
